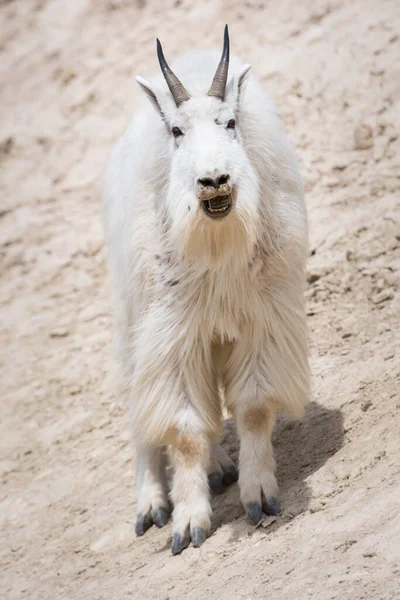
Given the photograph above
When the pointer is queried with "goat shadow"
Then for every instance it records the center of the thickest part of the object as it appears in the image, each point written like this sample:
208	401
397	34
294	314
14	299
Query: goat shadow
301	448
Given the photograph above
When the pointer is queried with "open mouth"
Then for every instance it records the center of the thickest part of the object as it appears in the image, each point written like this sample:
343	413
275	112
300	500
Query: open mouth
219	206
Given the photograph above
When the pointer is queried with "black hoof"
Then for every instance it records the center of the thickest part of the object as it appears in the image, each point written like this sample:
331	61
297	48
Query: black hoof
160	517
231	475
254	512
143	522
271	506
179	543
216	483
199	536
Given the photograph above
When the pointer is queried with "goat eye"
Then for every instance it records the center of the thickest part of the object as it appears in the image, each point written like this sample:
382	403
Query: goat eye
231	124
176	132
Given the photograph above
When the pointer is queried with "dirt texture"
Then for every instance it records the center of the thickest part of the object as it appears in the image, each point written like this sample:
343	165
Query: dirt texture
67	500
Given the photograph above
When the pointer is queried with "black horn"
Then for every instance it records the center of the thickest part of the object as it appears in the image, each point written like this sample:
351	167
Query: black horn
218	85
178	92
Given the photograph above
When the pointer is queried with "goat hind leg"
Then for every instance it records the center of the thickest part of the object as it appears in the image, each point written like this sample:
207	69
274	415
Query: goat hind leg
221	470
151	484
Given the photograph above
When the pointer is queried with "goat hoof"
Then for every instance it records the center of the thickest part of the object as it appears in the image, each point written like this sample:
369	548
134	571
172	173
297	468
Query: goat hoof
179	543
199	536
254	512
271	506
160	517
216	483
231	475
143	523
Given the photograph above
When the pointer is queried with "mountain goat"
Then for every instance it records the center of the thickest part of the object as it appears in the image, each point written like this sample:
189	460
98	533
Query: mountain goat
207	236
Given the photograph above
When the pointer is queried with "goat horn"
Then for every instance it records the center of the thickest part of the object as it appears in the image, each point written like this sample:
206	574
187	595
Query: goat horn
178	92
218	85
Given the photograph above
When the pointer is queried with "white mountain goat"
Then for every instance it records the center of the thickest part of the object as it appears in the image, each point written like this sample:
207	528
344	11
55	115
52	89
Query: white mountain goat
207	236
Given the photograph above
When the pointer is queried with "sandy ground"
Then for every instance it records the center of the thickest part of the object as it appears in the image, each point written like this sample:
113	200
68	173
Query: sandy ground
67	495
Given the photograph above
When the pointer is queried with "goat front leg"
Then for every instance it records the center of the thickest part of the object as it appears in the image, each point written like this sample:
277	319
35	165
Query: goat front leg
190	455
251	400
257	482
267	370
151	484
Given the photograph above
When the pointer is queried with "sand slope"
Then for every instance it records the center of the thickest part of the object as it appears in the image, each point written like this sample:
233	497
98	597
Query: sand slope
67	493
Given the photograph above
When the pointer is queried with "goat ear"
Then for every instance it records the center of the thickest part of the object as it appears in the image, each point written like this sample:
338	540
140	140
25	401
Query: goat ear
151	93
236	85
243	76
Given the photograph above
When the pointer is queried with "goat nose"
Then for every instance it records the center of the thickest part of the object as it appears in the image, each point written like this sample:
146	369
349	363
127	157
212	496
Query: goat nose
209	182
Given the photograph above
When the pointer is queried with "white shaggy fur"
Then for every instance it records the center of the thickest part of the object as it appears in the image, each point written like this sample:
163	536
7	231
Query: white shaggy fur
206	309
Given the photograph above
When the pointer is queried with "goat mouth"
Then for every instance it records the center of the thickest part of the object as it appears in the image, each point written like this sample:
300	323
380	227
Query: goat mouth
218	207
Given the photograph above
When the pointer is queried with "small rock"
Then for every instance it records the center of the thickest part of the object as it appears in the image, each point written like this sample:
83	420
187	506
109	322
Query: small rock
377	72
380	146
366	405
313	277
340	165
311	293
346	334
341	472
68	76
7	145
75	389
380	285
332	182
363	137
382	327
60	332
383	296
316	506
93	248
388	356
349	255
345	545
391	133
268	521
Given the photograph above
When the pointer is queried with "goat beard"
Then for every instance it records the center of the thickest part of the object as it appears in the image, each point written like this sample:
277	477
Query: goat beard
212	243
